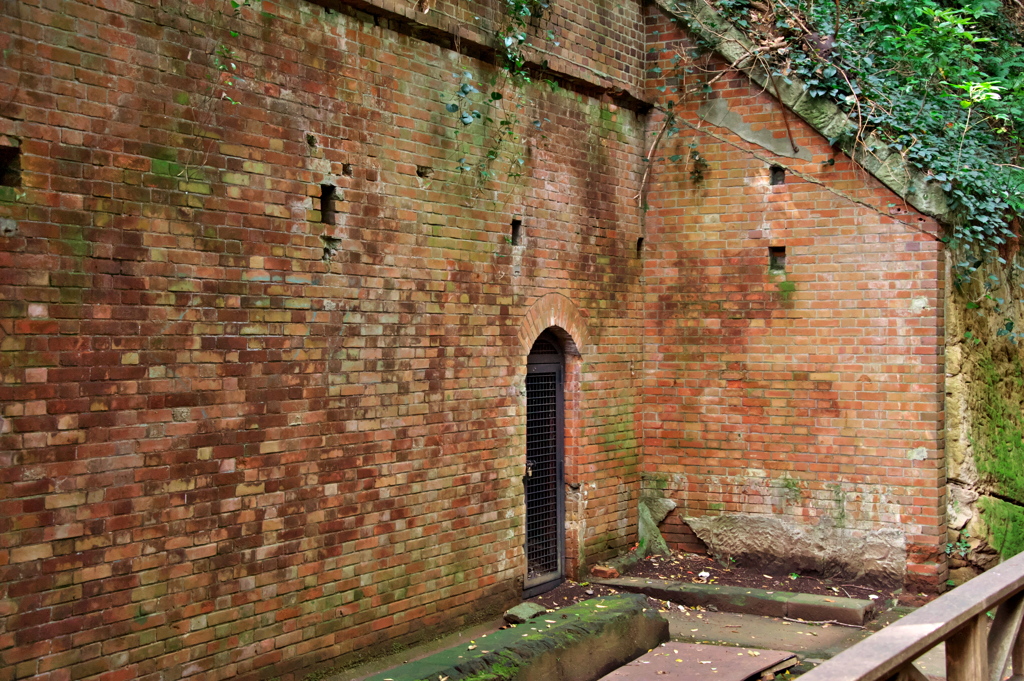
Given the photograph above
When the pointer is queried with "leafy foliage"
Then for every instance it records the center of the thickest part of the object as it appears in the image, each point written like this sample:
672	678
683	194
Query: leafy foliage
940	81
512	35
489	104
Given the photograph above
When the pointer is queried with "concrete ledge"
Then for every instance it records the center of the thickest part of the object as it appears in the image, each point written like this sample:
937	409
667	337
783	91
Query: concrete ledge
749	601
580	643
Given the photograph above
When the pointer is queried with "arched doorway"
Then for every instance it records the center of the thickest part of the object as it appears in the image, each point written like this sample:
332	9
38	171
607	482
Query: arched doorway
545	465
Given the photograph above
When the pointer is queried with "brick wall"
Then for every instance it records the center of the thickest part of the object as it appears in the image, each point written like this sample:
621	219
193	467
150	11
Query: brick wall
812	395
232	446
238	439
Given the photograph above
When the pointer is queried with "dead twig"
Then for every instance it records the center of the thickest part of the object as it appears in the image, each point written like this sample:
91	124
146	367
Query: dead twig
808	178
669	117
836	622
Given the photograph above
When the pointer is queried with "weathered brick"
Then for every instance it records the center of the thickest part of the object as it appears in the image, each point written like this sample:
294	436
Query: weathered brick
248	446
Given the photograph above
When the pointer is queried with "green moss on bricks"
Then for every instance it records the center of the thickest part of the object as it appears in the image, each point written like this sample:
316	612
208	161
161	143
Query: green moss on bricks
786	289
1000	451
165	168
1006	525
655	481
8	194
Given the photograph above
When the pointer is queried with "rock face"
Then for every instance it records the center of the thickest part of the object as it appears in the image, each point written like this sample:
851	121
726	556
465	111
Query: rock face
773	543
652	511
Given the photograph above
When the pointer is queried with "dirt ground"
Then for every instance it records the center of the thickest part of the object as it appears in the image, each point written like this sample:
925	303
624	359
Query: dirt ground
687	567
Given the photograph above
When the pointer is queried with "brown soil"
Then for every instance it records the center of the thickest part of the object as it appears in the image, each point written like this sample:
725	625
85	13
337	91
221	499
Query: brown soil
568	593
687	567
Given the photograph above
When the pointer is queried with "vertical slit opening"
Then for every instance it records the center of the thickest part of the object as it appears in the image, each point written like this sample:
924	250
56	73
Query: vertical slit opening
639	246
516	232
778	175
327	198
10	167
777	258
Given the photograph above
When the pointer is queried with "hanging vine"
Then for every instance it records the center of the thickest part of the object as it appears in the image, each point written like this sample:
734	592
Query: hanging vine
497	102
940	82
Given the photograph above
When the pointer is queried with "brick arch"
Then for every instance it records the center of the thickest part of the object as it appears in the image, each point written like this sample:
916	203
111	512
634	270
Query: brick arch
555	310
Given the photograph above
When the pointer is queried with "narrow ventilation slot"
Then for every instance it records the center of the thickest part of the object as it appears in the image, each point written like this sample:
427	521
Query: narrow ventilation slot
516	233
10	167
777	259
328	194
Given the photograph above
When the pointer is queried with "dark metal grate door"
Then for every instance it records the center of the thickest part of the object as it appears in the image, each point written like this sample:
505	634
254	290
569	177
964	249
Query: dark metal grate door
543	475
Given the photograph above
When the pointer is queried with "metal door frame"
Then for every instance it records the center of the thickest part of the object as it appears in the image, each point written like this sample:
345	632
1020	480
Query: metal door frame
546	364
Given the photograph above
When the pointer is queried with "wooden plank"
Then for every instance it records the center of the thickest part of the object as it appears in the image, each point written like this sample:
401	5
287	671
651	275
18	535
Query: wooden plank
910	673
882	655
967	651
1003	635
1018	656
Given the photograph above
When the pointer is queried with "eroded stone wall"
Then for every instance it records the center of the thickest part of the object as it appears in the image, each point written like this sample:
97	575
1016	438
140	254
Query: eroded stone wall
985	404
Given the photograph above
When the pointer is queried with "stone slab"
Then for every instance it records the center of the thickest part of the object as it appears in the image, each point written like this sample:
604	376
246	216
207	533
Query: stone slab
701	662
523	612
582	642
749	601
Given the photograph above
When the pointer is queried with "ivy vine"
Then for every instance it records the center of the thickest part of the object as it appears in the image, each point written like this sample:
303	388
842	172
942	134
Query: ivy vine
940	81
497	102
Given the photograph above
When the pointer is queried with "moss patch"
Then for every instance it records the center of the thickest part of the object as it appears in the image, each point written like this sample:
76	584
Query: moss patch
999	455
502	655
786	289
1006	525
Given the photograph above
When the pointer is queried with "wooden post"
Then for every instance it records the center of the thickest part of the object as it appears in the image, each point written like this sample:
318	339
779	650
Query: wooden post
910	673
1018	656
967	651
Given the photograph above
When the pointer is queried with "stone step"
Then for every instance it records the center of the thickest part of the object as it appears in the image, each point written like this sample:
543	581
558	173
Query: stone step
704	662
748	600
582	642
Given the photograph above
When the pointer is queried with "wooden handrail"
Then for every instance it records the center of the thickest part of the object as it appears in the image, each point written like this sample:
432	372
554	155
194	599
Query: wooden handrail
977	648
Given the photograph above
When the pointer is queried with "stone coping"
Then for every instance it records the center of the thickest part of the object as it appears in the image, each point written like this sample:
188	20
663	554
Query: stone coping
749	601
582	642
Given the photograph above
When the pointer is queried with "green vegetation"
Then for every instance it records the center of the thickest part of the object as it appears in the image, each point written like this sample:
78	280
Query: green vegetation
1000	447
940	81
838	504
792	488
961	547
1006	525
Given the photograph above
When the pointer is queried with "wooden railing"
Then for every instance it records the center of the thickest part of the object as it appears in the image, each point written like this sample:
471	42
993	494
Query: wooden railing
980	623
